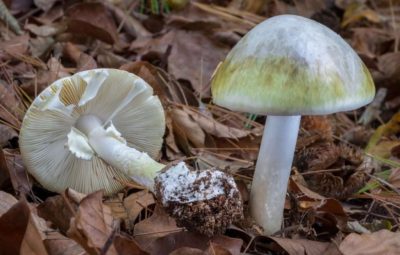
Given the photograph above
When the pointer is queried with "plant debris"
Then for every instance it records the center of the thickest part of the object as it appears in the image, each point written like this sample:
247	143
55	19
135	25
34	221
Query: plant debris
344	191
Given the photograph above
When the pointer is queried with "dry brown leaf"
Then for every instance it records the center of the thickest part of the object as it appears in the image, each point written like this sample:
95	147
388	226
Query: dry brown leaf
172	242
157	225
183	45
297	187
305	8
55	70
206	160
370	42
213	127
19	232
45	5
109	59
126	246
293	246
93	224
187	251
357	11
58	210
190	128
380	242
137	202
40	46
389	65
46	30
57	244
6	134
16	171
130	24
6	202
394	177
92	19
128	209
11	109
16	46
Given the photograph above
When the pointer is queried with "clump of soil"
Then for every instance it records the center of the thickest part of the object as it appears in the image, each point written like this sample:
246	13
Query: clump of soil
203	201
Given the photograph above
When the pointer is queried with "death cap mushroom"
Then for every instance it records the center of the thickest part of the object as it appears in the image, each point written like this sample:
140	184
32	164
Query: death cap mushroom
290	65
121	100
285	67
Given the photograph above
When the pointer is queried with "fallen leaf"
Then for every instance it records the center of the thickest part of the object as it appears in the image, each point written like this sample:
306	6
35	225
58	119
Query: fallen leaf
157	225
389	65
6	134
207	160
92	19
57	244
357	11
45	5
40	46
6	202
16	46
93	224
16	171
189	128
292	246
380	242
19	233
11	107
137	202
58	210
183	45
125	246
213	127
171	242
370	42
46	30
131	25
128	209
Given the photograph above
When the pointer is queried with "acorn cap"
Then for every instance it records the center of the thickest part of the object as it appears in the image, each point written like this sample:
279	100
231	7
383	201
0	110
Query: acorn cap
117	97
291	65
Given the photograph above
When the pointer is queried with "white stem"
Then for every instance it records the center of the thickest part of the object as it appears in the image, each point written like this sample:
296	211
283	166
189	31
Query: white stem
138	165
268	191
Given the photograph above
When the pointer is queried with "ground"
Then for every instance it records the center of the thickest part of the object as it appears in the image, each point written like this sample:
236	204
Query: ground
344	191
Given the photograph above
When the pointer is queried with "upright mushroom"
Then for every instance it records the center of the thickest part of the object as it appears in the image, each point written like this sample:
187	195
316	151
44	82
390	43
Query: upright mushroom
95	127
285	67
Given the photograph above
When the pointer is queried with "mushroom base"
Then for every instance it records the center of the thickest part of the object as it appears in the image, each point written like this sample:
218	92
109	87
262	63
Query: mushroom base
208	216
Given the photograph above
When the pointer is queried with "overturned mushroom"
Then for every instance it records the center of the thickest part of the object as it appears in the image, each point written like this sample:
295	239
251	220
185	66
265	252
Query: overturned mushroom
97	127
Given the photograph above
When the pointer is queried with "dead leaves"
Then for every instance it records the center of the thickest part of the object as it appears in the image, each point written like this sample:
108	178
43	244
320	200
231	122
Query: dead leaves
380	242
92	19
92	226
19	231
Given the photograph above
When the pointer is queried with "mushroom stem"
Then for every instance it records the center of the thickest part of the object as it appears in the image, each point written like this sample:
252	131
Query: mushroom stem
268	192
138	165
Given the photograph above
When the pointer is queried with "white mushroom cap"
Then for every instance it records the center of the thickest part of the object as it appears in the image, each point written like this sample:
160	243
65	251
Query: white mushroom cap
118	98
291	65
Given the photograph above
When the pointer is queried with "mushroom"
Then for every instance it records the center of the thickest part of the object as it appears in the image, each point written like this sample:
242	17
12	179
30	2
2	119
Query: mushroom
95	127
74	133
285	67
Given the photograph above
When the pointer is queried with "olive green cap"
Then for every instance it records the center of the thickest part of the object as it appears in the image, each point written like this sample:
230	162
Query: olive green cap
291	65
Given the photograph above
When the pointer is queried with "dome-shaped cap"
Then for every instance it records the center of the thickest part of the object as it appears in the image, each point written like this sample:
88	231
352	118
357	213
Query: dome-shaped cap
291	65
114	96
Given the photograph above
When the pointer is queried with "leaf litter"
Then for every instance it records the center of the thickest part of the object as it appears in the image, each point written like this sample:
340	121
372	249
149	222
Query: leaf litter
344	192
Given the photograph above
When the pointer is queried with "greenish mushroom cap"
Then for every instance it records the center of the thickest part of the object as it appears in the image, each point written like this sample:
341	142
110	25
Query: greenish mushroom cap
291	65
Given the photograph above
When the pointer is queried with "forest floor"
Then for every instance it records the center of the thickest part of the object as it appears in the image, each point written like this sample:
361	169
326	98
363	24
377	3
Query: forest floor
344	190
